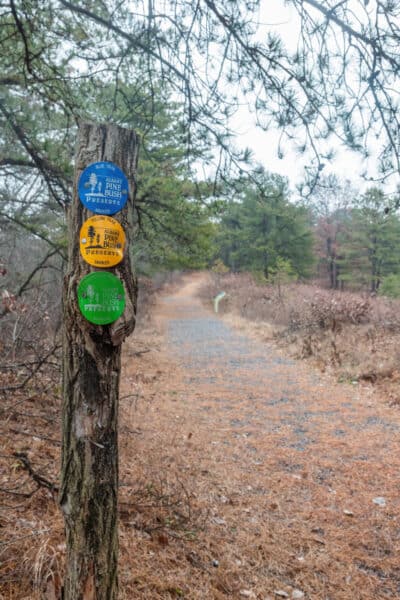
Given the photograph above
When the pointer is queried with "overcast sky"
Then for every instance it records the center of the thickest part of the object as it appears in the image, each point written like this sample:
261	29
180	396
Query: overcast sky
282	19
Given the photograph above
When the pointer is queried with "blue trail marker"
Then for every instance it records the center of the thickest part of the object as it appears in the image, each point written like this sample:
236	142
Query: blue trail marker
103	188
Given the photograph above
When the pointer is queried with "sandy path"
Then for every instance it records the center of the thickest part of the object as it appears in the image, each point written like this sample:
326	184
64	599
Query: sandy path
288	464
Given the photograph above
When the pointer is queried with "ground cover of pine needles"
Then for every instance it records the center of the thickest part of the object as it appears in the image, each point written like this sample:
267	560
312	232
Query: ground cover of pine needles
200	518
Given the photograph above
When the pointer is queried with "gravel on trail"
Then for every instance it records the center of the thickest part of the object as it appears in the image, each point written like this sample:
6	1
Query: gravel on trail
286	396
309	456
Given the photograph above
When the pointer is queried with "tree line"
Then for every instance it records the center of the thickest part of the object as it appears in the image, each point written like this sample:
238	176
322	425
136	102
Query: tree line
176	72
345	239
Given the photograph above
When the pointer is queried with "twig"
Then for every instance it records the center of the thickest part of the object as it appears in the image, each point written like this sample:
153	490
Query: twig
38	479
133	431
28	399
139	352
24	286
36	435
32	415
23	537
135	395
23	494
40	363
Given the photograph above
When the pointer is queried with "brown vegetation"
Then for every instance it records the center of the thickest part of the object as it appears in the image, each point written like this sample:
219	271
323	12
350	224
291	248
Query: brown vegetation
357	336
210	506
32	543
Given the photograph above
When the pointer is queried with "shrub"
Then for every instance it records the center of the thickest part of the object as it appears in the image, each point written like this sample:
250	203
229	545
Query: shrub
219	267
390	286
330	310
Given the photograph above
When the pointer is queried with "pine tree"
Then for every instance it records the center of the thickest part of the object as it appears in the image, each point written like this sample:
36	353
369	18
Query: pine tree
260	228
372	244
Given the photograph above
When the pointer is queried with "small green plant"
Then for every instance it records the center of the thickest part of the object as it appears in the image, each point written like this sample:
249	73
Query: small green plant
259	277
219	267
281	274
390	286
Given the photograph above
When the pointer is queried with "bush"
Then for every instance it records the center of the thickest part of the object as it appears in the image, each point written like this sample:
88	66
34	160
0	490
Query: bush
219	267
330	310
390	286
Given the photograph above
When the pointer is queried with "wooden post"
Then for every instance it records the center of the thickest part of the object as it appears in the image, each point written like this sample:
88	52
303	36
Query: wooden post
91	372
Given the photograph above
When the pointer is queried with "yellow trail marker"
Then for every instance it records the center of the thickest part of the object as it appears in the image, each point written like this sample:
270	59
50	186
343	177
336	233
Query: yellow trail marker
102	241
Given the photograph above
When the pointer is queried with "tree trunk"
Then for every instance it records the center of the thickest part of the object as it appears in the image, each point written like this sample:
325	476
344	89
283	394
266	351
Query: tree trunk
331	264
91	371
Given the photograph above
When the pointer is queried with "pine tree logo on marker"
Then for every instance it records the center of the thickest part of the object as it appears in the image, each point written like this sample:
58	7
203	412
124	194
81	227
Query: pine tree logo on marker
103	188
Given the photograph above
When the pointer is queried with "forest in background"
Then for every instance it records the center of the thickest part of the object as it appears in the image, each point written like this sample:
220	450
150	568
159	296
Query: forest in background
201	203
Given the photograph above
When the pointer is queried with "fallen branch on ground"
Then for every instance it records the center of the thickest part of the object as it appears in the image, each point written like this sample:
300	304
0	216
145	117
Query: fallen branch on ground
38	479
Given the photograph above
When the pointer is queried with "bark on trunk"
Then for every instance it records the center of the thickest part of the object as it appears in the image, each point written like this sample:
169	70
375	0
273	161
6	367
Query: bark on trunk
91	370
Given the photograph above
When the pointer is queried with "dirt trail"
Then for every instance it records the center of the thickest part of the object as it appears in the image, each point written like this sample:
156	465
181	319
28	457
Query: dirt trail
299	475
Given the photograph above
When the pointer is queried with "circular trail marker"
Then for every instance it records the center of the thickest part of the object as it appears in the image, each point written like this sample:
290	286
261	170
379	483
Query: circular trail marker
103	188
101	298
102	242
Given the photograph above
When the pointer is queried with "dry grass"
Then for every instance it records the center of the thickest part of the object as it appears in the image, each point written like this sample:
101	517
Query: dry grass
211	510
357	337
32	532
31	547
273	519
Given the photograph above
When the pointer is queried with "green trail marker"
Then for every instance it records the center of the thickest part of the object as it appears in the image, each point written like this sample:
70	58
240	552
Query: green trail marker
101	297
